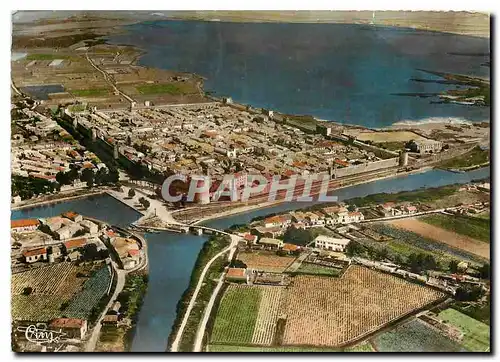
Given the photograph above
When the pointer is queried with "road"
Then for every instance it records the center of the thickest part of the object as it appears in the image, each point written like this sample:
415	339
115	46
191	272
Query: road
106	77
231	247
198	344
91	343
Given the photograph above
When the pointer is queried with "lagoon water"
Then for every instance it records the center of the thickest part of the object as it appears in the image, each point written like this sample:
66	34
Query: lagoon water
340	72
172	256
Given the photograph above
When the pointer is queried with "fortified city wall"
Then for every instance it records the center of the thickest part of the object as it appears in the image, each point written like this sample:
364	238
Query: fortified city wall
367	167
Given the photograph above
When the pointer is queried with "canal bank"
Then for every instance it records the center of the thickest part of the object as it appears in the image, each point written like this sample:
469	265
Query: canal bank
172	256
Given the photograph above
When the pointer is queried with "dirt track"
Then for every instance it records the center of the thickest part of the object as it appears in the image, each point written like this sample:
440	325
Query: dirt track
444	236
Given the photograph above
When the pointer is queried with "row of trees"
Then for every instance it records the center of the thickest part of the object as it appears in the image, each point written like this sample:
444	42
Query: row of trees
417	262
27	187
103	176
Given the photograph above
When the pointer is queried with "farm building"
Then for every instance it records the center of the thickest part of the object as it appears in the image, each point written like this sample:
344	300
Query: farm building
290	248
116	306
329	243
237	274
74	244
387	208
24	225
35	255
249	238
267	232
74	255
270	242
73	327
54	252
110	319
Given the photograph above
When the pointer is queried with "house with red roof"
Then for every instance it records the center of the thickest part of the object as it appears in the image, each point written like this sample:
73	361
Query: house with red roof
24	225
34	255
72	327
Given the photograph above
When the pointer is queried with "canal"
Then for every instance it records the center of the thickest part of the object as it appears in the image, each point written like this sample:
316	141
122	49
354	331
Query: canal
172	256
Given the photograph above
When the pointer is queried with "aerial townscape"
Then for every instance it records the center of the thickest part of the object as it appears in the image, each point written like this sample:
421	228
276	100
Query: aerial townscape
178	184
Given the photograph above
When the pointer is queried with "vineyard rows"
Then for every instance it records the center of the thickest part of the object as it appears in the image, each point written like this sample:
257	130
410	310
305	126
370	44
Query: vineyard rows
36	308
267	317
421	242
237	314
333	311
266	262
82	305
55	279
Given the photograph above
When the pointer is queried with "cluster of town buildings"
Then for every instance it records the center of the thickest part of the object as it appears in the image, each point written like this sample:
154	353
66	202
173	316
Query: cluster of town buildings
217	139
58	238
48	151
64	238
275	226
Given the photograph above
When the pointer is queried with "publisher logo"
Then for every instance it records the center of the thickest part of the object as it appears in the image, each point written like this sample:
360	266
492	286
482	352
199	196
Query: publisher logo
39	334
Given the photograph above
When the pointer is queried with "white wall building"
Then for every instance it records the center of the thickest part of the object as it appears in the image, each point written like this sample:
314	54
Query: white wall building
329	243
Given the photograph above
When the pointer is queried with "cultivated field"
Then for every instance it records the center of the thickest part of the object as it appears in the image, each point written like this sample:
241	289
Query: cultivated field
448	237
265	261
247	315
237	314
267	318
61	289
415	336
475	227
476	334
58	279
334	311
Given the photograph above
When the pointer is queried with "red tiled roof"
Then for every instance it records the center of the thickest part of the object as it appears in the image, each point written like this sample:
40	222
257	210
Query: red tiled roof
70	214
290	247
45	177
23	223
249	237
341	163
75	243
236	272
133	252
67	323
35	252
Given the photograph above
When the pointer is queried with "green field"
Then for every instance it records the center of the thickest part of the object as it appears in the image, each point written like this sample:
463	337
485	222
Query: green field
226	348
476	228
307	268
95	92
476	334
480	312
483	215
169	88
475	157
237	314
415	336
362	347
392	146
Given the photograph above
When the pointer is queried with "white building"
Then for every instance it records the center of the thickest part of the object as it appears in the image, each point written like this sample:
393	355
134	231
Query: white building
32	256
329	243
24	225
89	226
